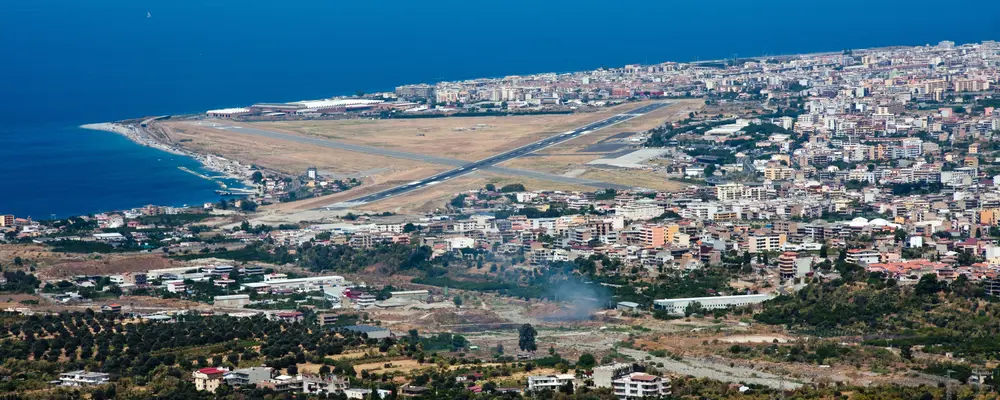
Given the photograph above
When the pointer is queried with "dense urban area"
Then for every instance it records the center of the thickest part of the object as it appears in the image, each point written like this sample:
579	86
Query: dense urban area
822	226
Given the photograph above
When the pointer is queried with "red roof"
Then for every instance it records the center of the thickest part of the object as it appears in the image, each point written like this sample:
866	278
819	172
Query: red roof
212	371
289	314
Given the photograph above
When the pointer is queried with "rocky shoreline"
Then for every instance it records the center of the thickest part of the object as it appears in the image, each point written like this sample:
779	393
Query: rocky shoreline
231	169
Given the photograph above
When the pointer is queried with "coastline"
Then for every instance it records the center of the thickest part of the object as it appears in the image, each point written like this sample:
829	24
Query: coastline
228	169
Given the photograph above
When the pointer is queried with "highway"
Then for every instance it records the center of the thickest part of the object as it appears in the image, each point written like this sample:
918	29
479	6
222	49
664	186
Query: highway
499	158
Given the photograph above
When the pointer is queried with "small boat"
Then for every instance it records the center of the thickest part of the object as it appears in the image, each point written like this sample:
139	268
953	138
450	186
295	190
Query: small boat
148	15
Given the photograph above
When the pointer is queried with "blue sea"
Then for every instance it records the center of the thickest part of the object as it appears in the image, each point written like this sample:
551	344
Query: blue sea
70	62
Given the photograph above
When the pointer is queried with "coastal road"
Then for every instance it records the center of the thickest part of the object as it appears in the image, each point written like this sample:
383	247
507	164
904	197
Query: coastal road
464	167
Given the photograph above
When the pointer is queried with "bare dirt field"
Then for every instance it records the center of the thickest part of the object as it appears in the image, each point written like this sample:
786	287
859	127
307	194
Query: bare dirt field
572	152
109	265
286	156
463	138
402	366
634	177
572	156
437	196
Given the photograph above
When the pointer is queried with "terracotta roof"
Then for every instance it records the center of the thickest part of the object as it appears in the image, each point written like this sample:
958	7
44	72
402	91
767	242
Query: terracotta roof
212	371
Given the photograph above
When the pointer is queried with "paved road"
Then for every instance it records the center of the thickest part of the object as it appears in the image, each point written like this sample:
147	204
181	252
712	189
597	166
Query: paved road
464	167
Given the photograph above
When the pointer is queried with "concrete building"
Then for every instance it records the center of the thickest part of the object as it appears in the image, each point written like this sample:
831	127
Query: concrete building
416	295
83	378
786	264
605	375
760	244
728	191
307	284
863	257
232	301
248	376
415	92
175	286
283	383
677	306
653	236
331	384
639	385
639	211
550	382
208	379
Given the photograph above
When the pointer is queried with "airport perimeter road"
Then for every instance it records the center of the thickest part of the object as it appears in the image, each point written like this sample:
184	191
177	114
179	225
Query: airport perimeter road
499	158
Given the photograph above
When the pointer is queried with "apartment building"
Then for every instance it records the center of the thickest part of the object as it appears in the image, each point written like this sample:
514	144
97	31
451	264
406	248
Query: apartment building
639	210
176	286
605	375
764	243
638	385
653	236
330	384
786	264
863	257
248	376
550	382
208	379
83	378
779	173
737	191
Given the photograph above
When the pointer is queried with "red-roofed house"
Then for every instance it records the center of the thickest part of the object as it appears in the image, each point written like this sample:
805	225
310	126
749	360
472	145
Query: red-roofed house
208	379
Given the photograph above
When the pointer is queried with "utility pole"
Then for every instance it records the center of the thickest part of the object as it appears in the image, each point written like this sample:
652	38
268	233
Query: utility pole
947	386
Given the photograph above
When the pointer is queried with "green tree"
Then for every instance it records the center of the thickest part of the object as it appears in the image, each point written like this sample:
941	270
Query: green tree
458	201
248	206
586	360
458	301
526	338
257	177
900	235
693	307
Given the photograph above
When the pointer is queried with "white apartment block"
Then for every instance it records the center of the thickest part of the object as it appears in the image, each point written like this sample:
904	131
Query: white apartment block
549	382
638	385
639	211
760	244
83	378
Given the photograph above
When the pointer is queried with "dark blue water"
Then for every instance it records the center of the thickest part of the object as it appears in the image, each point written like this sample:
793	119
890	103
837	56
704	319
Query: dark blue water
69	62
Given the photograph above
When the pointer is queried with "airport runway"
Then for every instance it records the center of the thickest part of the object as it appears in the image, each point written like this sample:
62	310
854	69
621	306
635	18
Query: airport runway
360	148
464	167
499	158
